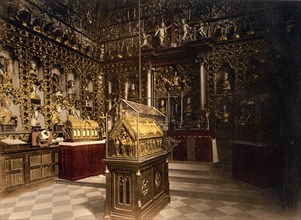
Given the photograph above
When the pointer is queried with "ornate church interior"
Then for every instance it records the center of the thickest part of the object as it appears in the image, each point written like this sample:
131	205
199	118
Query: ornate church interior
150	109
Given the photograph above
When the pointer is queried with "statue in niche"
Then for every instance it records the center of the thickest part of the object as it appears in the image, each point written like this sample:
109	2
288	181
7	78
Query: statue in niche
56	115
72	114
33	70
162	106
133	93
188	106
177	106
161	32
204	120
6	115
35	118
56	84
226	83
70	84
176	81
70	87
34	96
5	73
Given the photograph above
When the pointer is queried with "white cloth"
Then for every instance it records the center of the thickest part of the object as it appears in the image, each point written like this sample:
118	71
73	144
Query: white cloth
214	151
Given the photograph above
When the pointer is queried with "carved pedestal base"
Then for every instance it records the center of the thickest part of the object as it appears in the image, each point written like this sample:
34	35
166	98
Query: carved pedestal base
136	189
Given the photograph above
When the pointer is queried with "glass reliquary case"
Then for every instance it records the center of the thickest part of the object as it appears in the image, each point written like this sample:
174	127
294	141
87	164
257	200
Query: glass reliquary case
134	131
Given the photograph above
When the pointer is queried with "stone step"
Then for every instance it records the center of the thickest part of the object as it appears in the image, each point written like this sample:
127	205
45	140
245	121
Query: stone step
197	180
215	194
190	165
194	174
201	180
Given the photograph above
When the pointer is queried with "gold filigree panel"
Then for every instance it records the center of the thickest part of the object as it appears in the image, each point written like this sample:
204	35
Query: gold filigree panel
27	46
237	55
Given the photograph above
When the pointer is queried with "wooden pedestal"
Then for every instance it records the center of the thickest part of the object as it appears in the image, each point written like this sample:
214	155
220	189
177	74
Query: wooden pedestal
136	189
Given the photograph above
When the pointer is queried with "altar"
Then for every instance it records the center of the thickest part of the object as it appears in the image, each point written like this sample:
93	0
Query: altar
194	145
81	159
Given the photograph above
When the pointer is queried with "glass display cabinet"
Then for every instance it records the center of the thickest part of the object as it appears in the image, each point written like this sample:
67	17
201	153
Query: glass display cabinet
136	162
134	131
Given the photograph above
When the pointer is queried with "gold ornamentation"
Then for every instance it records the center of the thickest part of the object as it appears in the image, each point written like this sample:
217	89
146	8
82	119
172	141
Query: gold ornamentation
48	55
158	179
237	55
5	72
76	129
145	187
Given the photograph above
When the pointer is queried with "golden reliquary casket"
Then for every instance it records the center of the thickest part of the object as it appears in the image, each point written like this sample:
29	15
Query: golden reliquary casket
80	129
134	131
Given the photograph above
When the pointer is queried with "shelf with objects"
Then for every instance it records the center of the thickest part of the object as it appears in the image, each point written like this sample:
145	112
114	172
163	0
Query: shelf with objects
23	166
137	167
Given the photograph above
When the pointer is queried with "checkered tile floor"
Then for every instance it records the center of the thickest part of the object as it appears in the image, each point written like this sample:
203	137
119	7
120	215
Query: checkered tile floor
75	200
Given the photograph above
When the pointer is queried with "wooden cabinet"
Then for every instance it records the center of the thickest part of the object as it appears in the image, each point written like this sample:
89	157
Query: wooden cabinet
20	168
258	164
14	170
81	159
42	165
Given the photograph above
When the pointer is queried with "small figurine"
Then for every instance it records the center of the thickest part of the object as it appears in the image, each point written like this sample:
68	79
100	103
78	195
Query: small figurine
188	107
33	69
226	83
162	107
145	40
133	91
185	28
6	115
5	73
35	118
34	96
161	33
203	29
175	84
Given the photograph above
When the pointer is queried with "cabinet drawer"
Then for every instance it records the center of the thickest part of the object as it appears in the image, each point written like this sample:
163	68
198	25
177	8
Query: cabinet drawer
35	174
46	158
14	179
13	164
35	160
47	171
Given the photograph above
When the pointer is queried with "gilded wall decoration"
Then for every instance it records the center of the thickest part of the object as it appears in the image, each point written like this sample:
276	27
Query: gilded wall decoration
237	56
29	46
